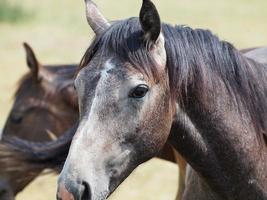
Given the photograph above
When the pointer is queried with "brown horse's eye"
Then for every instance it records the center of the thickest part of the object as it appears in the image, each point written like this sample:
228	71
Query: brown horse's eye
139	91
16	119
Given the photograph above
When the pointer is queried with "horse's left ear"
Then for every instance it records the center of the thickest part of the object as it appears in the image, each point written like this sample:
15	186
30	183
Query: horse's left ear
151	25
150	21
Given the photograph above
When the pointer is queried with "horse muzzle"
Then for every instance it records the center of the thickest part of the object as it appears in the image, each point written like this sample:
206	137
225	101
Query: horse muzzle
73	190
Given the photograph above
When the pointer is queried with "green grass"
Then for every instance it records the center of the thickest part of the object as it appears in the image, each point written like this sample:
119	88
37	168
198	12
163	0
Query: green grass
58	31
12	13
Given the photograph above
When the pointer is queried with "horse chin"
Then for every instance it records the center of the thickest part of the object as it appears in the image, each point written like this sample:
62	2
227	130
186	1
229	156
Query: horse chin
113	183
103	196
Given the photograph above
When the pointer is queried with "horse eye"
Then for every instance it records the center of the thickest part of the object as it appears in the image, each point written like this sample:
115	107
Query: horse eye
139	91
16	119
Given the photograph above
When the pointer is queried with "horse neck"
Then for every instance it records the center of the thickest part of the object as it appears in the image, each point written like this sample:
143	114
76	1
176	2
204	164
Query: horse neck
220	143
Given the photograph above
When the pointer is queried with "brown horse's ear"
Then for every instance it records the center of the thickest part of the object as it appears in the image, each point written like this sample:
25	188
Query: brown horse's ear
150	21
95	18
32	62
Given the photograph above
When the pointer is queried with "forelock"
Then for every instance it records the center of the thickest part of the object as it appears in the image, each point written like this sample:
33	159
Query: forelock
124	39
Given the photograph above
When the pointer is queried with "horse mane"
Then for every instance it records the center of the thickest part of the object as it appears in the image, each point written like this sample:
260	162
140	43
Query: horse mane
13	159
196	58
65	75
20	155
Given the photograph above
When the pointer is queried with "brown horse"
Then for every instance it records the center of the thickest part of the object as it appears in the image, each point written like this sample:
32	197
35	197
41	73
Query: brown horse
48	91
45	107
143	83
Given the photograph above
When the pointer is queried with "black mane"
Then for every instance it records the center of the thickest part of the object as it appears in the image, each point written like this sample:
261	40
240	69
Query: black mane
196	58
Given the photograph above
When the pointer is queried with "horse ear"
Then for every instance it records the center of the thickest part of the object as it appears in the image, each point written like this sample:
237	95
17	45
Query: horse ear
150	21
95	18
151	25
32	62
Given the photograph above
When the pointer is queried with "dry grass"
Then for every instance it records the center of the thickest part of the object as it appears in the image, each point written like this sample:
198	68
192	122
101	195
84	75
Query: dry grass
58	31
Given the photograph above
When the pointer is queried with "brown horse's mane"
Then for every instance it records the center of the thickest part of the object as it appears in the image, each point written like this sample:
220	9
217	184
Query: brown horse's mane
196	58
23	82
64	75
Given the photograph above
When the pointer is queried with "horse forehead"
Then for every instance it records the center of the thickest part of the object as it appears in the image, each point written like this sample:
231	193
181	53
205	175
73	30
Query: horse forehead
111	75
110	71
107	68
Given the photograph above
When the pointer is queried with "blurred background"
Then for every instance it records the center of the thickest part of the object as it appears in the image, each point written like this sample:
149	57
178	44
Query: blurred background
58	32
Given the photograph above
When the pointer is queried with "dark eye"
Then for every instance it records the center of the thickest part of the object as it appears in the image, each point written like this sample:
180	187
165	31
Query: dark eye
16	119
139	91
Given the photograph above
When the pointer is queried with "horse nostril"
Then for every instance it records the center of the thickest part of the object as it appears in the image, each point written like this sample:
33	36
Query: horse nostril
86	192
58	198
64	194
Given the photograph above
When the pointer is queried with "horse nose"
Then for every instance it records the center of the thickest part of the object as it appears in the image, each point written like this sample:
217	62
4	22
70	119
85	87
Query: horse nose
73	191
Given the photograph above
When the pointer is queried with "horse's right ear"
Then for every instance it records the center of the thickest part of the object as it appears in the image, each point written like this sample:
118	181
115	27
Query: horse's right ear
95	19
32	62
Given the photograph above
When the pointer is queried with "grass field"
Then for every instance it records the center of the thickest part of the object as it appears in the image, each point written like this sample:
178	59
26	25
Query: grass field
58	31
